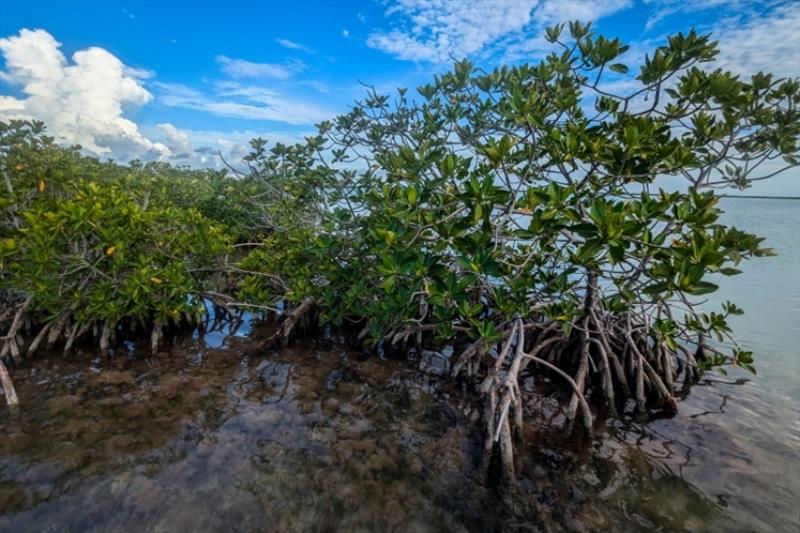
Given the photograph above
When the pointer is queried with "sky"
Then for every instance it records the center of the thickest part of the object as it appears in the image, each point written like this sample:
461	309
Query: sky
184	81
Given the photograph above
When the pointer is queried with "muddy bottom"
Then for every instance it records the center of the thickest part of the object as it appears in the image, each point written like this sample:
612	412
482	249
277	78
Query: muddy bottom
205	438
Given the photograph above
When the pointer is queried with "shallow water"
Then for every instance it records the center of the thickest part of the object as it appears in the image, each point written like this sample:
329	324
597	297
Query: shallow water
315	438
307	440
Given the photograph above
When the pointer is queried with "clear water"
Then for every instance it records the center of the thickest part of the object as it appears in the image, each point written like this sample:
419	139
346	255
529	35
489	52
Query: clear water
208	438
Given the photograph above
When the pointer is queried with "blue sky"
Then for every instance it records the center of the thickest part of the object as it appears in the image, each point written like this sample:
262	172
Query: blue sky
179	81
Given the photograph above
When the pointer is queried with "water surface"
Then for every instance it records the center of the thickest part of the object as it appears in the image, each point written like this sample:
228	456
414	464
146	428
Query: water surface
210	436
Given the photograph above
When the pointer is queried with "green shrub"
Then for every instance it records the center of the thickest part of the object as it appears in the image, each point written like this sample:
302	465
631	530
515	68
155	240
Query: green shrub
88	246
527	208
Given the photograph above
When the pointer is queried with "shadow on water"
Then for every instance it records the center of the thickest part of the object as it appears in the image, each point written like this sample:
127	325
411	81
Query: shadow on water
309	439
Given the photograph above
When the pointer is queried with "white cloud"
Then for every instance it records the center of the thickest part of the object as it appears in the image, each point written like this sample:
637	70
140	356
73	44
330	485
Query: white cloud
345	33
318	86
82	101
439	29
202	148
139	73
436	30
240	68
668	8
762	36
235	100
768	42
177	140
286	43
556	11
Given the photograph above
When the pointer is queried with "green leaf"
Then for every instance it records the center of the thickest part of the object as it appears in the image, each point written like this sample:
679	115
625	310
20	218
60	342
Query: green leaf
703	287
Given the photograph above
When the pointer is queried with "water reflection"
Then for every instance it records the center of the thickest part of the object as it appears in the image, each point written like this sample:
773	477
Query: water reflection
317	439
313	440
304	440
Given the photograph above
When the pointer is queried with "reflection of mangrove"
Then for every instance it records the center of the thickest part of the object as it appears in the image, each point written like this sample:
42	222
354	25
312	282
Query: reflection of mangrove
616	483
307	437
370	439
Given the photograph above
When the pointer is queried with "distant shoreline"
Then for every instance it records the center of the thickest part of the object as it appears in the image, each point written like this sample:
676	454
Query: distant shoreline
760	197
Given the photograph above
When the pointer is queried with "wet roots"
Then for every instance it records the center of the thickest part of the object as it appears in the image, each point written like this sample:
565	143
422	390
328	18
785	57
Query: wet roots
300	318
609	360
22	325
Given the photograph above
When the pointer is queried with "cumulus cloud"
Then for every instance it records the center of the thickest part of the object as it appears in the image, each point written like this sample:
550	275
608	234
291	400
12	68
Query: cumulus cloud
178	141
436	30
82	101
202	148
241	68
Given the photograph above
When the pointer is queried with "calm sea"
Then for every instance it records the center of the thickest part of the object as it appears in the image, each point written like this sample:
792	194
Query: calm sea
740	443
764	414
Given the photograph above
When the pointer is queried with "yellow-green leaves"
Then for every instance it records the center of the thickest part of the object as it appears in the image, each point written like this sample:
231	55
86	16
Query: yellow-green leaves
66	252
411	194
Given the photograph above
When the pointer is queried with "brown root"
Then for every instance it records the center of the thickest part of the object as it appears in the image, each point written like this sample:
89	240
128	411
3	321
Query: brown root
507	453
583	370
105	338
607	379
11	338
8	387
73	333
476	350
38	340
293	318
55	332
155	337
601	348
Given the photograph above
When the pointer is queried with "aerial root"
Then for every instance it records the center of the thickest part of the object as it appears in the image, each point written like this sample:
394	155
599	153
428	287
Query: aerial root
25	324
8	387
105	338
55	331
612	359
505	395
583	370
38	340
474	352
155	336
295	317
12	339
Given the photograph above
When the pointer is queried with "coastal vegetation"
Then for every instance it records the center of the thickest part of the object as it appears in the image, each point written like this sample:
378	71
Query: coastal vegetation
557	221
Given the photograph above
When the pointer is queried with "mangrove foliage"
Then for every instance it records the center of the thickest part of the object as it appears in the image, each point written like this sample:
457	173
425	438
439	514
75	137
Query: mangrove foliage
556	220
